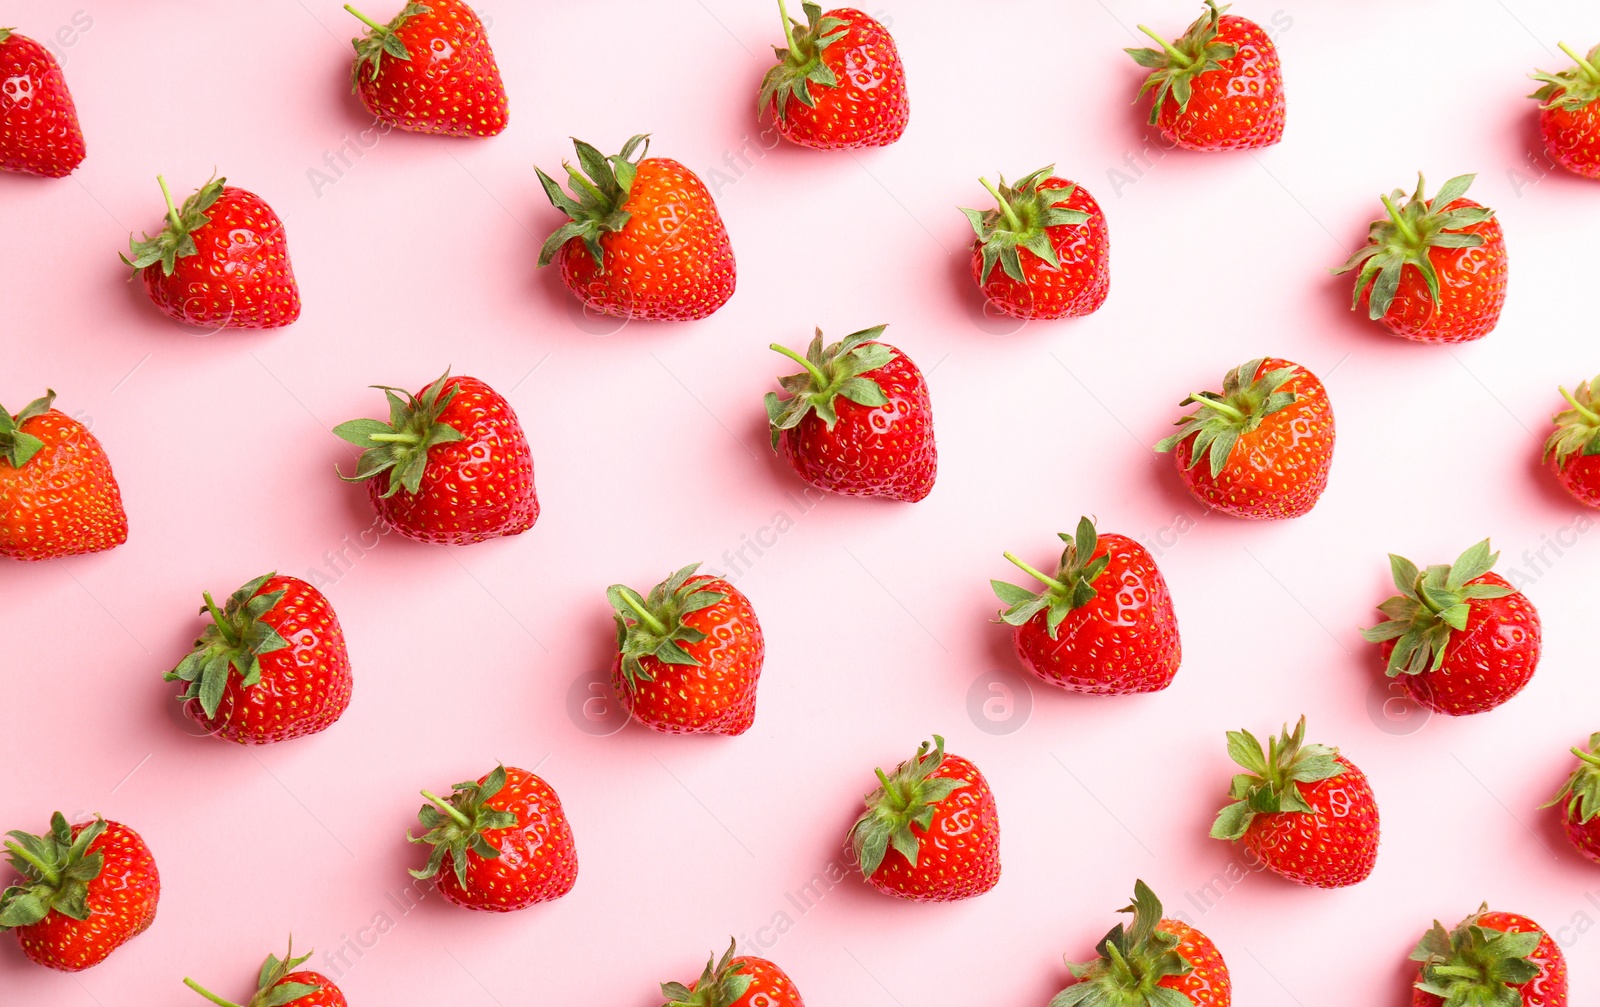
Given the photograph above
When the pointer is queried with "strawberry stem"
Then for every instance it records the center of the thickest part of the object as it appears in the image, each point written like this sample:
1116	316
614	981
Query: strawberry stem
1177	57
1583	410
445	806
218	618
644	615
208	994
395	438
1035	574
1589	70
788	25
1587	757
172	211
1232	413
1005	208
48	873
816	375
375	26
1399	222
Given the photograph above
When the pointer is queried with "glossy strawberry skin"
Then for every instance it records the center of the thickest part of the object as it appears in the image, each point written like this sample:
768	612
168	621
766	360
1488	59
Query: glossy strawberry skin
1078	288
1547	989
1485	664
475	489
1209	984
122	905
719	696
959	855
872	451
327	994
1580	474
538	860
869	107
1124	641
1585	836
1472	289
39	131
64	501
770	986
1239	107
451	84
1335	847
240	277
1572	138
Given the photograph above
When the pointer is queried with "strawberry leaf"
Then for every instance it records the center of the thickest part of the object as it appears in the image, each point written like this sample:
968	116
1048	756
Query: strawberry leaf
905	798
1248	397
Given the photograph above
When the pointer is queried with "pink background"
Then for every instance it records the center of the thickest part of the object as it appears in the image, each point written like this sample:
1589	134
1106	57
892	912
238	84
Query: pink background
650	451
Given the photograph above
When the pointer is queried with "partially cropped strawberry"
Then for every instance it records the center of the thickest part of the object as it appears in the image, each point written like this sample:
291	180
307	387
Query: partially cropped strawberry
1049	238
1433	270
1460	638
271	666
430	70
858	420
39	131
451	466
688	656
1304	811
838	84
222	261
1569	114
930	832
1573	448
1267	440
57	494
1218	87
1155	962
283	984
85	891
644	239
1579	801
743	981
500	843
1490	959
1104	623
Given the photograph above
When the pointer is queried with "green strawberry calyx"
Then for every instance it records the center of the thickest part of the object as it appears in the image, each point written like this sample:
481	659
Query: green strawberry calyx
905	798
830	372
1022	218
1578	427
56	869
1405	238
1476	966
1175	65
1272	784
400	447
456	826
1133	961
380	41
800	65
18	447
233	643
1432	604
271	990
1581	793
603	186
722	984
654	626
1247	398
1071	588
176	240
5	34
1573	88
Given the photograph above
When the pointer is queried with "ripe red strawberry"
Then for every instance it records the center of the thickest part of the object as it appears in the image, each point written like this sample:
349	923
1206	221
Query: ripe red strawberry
224	261
451	466
1219	87
930	832
39	131
1461	639
57	494
1104	623
1456	283
745	981
689	656
1268	440
1579	800
1049	237
284	984
439	75
1305	811
858	422
1491	958
1569	117
644	240
505	840
271	666
85	891
838	84
1573	449
1154	954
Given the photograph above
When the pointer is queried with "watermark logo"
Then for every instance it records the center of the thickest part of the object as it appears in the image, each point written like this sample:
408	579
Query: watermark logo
594	707
999	702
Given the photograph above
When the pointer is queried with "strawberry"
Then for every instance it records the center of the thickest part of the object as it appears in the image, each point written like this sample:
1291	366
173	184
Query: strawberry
86	890
505	840
57	494
745	981
1573	449
1460	638
451	466
1579	800
224	261
1219	87
644	239
440	75
1139	965
858	422
1267	438
1456	285
930	832
838	84
1490	959
1104	623
1569	118
1049	238
688	656
282	984
1305	811
271	666
39	131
